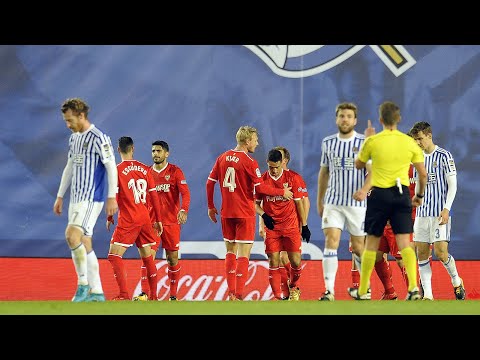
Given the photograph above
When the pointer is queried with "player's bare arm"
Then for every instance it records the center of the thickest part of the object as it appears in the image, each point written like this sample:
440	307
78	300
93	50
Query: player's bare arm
417	199
323	176
361	194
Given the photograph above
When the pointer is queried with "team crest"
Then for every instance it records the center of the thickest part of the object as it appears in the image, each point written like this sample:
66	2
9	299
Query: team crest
435	164
167	177
285	185
300	61
355	149
85	145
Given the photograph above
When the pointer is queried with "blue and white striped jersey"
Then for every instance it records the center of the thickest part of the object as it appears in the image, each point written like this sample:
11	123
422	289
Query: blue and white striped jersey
89	151
439	165
344	179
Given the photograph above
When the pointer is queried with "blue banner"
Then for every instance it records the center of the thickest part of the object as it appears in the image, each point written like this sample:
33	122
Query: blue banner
196	97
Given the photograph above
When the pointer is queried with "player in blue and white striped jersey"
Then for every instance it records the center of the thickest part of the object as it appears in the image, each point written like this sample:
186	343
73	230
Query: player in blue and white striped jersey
433	221
339	185
90	168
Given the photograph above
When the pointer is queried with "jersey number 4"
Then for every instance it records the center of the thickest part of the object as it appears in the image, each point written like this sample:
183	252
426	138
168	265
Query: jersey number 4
229	179
139	189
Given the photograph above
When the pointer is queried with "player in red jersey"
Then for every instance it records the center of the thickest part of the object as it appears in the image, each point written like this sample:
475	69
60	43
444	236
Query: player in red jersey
289	217
135	186
171	185
239	177
285	266
389	245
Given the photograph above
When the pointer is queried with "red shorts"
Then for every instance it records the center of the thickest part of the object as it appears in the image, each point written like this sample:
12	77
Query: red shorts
288	240
170	238
142	235
388	244
238	229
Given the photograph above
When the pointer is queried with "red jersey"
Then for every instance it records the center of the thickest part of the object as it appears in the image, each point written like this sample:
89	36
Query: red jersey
283	211
237	174
170	184
303	184
135	181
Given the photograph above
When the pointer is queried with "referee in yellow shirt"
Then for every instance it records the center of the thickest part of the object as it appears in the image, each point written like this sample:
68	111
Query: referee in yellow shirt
391	153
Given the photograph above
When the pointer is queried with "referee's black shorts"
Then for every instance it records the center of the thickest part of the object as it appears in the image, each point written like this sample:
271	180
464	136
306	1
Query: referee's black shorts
385	204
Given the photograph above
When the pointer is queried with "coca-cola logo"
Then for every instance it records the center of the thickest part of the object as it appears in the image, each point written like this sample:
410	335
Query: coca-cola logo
199	286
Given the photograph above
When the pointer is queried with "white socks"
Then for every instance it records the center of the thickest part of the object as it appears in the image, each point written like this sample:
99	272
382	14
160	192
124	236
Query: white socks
452	270
79	257
93	272
425	271
330	267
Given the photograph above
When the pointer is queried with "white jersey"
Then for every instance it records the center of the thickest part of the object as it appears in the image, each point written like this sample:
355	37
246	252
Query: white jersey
344	179
88	151
439	165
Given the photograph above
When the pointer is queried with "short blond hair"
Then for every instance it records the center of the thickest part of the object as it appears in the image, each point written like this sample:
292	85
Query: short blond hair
245	133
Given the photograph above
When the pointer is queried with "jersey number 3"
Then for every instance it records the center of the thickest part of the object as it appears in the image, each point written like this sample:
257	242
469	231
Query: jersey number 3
229	180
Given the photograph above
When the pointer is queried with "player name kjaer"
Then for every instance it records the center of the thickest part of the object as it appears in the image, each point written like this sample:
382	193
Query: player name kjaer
232	158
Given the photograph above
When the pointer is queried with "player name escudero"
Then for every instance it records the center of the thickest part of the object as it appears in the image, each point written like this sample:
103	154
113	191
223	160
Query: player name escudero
134	168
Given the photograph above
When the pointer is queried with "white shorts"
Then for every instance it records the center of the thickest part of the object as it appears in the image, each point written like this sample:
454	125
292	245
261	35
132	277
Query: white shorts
426	229
350	217
84	214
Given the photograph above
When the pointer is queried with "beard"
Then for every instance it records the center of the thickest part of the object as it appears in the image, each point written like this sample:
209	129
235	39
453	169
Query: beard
345	129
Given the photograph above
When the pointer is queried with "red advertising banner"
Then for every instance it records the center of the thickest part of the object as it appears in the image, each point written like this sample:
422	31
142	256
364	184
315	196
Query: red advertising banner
55	279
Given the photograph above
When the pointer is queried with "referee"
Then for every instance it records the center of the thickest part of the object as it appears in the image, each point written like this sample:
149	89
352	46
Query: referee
391	153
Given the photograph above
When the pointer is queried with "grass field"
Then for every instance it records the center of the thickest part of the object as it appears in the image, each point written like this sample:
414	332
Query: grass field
437	307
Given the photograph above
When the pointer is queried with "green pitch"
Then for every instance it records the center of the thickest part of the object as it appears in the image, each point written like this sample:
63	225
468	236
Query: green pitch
308	307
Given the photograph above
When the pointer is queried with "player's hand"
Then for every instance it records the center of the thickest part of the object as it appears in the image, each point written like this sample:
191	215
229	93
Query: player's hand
287	194
57	207
158	227
416	201
306	233
111	207
360	195
212	214
370	130
268	221
182	217
110	221
443	218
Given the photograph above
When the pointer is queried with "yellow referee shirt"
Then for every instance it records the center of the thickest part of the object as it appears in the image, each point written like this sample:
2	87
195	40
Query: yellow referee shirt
391	152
